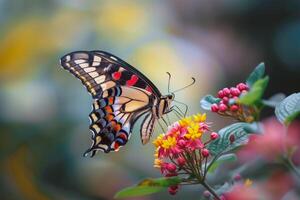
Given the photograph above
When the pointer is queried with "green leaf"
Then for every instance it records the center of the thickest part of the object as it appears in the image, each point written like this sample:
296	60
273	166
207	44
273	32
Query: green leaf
274	100
222	159
148	186
287	110
257	74
207	101
255	93
137	191
232	137
164	182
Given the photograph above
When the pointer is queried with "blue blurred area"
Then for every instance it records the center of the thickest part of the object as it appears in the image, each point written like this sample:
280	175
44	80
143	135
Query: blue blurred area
44	110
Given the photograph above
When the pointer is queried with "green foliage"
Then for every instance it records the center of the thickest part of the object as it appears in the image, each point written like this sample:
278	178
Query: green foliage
256	92
207	101
148	186
222	159
232	137
256	74
288	109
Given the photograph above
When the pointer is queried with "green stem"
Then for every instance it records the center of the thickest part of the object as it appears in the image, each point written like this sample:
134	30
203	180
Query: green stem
210	190
290	165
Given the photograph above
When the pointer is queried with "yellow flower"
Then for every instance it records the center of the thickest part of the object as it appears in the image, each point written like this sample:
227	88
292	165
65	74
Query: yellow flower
186	121
248	182
169	142
158	141
200	117
157	163
193	132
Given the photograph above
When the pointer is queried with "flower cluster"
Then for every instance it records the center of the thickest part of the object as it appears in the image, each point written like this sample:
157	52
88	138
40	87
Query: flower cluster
229	105
182	150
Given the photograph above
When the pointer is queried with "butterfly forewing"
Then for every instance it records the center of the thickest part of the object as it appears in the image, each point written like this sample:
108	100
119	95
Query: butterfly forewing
121	95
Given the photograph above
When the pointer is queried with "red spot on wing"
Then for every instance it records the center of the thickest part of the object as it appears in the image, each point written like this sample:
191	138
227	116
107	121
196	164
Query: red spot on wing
116	146
149	89
117	75
123	136
132	81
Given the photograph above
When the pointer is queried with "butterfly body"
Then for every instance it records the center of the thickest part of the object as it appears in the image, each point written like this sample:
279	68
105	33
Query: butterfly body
121	96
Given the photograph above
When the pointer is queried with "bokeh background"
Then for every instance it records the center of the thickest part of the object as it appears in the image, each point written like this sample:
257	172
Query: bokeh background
44	110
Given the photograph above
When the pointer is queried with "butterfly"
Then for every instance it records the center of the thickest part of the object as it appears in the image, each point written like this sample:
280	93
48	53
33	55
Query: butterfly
121	95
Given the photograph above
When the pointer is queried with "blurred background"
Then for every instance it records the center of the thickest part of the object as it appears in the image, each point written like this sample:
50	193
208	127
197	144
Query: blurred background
44	110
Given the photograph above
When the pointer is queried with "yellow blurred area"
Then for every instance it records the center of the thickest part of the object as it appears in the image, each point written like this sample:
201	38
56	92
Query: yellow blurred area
124	21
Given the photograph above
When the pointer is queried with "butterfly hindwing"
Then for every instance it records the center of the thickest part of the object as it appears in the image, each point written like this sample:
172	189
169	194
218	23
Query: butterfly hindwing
112	117
147	127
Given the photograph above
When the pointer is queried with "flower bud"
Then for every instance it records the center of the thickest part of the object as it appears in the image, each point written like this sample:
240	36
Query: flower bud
206	194
234	108
225	100
181	161
214	135
220	94
237	177
205	153
226	92
171	167
181	143
173	189
242	86
235	92
214	108
171	174
222	107
231	138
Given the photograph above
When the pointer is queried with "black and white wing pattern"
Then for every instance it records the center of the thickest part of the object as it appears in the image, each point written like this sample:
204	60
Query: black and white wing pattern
121	95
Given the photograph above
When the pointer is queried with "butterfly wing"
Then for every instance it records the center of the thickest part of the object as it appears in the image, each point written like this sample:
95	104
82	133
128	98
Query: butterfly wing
121	95
147	127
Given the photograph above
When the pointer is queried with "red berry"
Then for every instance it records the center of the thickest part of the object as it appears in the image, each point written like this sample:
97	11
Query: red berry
242	86
181	161
226	92
205	153
234	108
171	167
222	107
214	135
173	189
221	94
214	108
225	100
235	92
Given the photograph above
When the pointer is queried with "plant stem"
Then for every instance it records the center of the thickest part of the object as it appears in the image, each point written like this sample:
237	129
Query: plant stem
210	190
290	165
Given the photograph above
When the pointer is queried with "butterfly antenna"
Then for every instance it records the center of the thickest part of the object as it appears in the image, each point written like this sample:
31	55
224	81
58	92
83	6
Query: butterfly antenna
169	80
192	83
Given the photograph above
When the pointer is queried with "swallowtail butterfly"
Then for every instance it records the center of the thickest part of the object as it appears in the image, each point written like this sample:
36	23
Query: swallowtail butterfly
121	96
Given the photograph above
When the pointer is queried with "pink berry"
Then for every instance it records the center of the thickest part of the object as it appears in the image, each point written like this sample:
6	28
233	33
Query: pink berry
205	153
214	135
234	108
181	161
226	92
237	177
242	86
222	107
206	194
235	92
171	167
225	100
221	94
214	108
